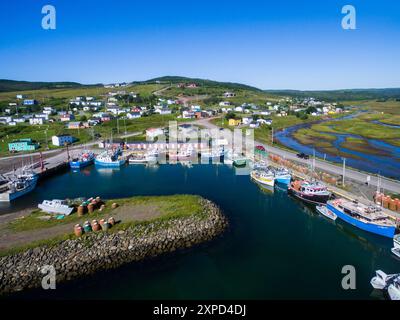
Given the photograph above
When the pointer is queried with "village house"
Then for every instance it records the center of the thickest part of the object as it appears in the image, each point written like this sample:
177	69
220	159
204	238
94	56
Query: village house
186	114
77	125
162	111
234	122
23	145
29	102
36	121
67	117
62	140
239	109
247	120
133	115
153	133
49	110
224	104
229	94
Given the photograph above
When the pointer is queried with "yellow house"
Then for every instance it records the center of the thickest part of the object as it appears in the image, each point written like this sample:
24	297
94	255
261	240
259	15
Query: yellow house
234	122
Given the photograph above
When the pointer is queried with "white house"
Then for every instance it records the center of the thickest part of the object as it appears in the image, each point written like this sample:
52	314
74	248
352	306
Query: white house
152	133
224	104
162	111
62	140
239	109
188	114
48	110
265	121
133	115
229	94
33	121
247	120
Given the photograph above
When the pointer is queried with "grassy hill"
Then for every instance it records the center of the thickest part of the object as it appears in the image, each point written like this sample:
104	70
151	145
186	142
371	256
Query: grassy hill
343	95
13	85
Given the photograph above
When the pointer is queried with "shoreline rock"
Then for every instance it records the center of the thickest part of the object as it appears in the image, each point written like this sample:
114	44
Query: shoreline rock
94	252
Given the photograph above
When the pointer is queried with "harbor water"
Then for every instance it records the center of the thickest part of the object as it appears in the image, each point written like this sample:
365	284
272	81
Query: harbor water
275	247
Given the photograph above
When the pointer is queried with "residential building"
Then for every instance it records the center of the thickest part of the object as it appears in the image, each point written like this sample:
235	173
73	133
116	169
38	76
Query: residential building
76	125
247	120
133	115
67	117
30	102
229	94
23	145
152	133
62	140
36	120
234	122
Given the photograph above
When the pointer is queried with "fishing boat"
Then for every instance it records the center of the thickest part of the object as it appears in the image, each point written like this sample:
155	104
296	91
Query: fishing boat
109	158
263	177
18	185
151	156
381	279
83	160
313	192
393	289
137	159
326	212
283	176
368	218
56	206
239	160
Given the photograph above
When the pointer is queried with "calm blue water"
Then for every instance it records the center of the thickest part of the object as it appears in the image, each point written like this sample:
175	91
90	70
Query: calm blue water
387	164
275	247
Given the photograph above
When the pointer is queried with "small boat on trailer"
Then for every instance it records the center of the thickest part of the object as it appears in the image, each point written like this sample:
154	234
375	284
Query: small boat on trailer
326	212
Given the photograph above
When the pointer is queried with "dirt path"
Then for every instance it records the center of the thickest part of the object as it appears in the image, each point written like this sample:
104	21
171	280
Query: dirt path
124	213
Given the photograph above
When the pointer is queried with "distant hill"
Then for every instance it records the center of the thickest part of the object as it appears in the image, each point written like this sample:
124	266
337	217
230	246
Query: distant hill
202	82
342	95
12	85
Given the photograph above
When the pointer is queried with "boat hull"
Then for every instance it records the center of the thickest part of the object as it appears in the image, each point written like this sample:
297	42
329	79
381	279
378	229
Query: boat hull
8	196
64	211
113	164
283	179
313	199
263	181
386	231
80	164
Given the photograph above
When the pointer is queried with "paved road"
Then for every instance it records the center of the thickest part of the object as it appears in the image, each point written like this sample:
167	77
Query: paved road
386	184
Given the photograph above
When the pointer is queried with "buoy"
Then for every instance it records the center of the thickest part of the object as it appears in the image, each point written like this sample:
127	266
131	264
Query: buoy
111	221
96	226
105	226
114	205
81	210
78	230
102	207
90	208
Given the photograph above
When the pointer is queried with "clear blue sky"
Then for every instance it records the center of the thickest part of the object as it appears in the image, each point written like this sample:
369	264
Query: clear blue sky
269	44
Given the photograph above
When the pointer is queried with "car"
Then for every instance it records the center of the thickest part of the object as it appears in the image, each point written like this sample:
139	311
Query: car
303	156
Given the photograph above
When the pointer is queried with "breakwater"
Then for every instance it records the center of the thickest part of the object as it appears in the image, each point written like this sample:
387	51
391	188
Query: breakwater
83	256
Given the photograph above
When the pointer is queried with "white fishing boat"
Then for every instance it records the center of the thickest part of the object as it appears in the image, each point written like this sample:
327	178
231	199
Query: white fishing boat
326	212
137	159
266	178
109	158
393	289
381	280
151	156
56	206
17	186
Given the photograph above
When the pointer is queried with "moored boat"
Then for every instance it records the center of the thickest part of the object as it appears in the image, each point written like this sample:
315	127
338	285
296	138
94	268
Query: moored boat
367	218
137	159
396	241
326	212
18	186
283	176
56	206
109	158
83	160
309	191
266	178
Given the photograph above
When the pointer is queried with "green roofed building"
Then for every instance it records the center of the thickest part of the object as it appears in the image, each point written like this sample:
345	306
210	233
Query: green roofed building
23	145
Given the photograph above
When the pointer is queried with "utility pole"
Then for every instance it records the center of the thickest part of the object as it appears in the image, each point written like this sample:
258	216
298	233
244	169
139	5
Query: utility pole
344	170
313	162
272	135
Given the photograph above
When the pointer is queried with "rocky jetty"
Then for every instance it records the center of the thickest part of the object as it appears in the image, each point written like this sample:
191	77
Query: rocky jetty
93	252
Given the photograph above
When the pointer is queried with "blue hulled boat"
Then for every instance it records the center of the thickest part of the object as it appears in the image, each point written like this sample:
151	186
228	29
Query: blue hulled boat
109	159
367	218
84	160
